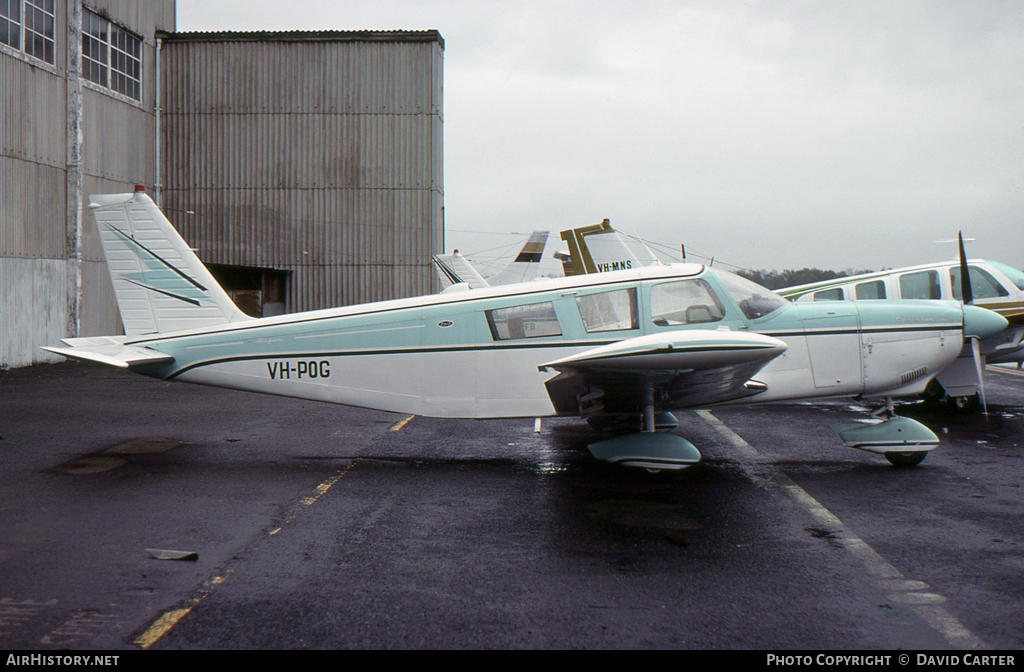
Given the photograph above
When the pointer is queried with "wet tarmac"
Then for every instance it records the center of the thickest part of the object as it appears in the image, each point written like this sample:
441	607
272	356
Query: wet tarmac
308	525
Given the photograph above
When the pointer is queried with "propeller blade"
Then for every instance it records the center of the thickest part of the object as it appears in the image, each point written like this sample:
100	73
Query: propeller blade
965	274
979	366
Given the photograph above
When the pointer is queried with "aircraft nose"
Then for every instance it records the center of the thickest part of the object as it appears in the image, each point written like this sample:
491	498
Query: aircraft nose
982	323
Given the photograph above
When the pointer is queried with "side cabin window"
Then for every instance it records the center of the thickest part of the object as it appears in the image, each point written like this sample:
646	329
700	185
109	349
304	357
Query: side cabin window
983	285
867	291
609	311
533	320
829	294
684	302
921	285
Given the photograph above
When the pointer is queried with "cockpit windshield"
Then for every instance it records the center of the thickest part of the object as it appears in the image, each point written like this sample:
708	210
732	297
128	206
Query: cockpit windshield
754	300
1015	276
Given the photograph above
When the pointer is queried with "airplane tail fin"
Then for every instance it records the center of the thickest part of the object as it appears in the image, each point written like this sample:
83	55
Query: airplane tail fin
454	269
159	283
604	251
526	265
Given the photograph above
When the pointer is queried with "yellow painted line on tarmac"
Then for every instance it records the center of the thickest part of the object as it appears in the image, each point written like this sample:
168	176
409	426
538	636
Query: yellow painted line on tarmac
401	423
160	628
913	594
169	619
326	485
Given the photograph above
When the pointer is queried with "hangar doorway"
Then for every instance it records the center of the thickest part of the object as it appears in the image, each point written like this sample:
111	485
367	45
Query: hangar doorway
258	292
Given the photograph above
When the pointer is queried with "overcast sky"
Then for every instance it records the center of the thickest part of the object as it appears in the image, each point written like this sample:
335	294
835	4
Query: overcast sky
770	135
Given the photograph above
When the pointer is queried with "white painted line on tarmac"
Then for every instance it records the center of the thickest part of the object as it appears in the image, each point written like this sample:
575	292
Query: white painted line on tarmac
1003	369
913	594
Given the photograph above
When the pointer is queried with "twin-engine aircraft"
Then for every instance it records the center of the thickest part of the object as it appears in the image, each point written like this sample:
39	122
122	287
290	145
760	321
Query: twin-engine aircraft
620	348
990	284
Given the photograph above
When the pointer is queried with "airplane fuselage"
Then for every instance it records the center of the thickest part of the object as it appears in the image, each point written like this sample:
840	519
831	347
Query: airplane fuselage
477	353
996	286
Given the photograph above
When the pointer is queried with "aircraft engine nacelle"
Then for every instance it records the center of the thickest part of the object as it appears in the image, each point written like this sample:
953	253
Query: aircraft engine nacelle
904	346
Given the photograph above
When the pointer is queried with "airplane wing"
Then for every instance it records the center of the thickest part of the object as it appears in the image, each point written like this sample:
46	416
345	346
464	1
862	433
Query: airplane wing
676	370
109	350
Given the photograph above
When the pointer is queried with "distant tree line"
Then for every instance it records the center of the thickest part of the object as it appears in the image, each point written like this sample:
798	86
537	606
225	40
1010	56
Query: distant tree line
791	278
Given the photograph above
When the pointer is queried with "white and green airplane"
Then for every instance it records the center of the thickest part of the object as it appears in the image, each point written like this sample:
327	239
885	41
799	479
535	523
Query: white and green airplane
989	284
629	345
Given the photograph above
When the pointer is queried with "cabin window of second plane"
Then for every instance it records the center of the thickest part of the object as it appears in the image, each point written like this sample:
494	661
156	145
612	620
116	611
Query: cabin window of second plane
609	311
868	291
922	285
983	285
534	320
829	295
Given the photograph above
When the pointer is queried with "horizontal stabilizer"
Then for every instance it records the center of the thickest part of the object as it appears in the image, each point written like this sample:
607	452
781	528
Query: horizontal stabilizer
111	351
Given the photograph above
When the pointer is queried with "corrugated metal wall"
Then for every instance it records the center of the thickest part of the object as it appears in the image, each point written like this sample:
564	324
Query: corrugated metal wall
317	154
40	275
32	155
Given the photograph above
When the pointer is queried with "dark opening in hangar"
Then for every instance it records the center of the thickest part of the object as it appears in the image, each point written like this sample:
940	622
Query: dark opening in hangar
258	292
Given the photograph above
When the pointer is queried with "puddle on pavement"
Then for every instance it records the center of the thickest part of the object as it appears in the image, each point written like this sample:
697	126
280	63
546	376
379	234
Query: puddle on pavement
111	458
644	514
144	446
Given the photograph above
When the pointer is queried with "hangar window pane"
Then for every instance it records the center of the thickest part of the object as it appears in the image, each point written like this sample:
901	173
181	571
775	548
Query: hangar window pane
684	302
533	320
39	29
95	50
126	63
10	23
609	311
922	285
111	56
867	291
983	285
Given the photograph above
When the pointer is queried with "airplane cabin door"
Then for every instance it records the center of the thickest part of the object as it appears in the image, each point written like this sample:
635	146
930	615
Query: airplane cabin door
833	343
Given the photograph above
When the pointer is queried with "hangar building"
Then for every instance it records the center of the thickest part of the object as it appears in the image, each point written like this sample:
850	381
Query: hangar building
304	167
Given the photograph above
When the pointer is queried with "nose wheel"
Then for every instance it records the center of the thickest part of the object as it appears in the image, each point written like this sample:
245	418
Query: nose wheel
905	459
